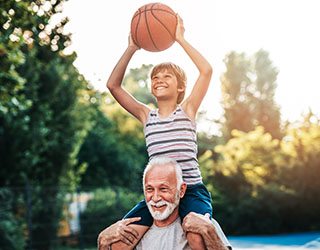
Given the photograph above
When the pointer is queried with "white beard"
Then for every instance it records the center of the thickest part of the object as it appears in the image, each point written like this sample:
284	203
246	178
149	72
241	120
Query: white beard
157	215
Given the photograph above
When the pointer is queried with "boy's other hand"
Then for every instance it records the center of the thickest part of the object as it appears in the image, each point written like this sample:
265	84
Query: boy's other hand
180	29
132	44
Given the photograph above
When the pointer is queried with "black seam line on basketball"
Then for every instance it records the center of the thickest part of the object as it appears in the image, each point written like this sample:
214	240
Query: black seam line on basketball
186	160
166	122
170	130
136	31
172	36
172	140
172	151
145	17
168	12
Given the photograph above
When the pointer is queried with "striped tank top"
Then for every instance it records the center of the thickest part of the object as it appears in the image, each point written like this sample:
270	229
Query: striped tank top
174	137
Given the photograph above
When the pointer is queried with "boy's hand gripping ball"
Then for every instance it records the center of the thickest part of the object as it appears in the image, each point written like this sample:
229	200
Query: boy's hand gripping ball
153	27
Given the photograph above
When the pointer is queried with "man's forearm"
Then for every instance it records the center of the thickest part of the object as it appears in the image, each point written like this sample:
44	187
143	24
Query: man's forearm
212	240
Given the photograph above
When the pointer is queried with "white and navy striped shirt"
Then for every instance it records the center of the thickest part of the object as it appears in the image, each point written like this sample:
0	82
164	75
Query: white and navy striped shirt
175	137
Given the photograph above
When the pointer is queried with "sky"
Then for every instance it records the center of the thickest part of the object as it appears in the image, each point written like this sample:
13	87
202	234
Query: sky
287	29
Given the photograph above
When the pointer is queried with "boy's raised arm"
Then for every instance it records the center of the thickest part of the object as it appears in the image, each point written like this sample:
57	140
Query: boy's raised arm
123	97
193	101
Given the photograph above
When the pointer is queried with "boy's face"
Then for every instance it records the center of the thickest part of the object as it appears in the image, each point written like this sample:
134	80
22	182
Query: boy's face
164	84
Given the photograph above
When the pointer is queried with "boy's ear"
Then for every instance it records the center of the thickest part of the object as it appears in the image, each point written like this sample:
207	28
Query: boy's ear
181	89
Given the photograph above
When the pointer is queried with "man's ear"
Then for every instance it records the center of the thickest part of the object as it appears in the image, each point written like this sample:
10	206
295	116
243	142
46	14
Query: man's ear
183	189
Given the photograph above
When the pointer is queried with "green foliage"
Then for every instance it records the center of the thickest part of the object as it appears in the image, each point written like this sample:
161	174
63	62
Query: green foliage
11	232
234	82
265	185
245	173
248	88
109	158
302	171
42	118
254	155
115	154
267	113
137	83
106	207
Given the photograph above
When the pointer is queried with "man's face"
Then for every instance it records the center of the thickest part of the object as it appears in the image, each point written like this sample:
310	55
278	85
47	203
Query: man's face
161	193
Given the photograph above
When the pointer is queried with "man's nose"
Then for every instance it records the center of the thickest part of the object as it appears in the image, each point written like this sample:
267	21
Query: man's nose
156	197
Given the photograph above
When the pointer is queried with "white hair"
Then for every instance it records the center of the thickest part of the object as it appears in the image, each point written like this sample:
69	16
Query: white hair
156	161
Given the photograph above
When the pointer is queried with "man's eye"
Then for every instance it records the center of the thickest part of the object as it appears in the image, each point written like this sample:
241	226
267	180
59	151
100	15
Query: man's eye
164	189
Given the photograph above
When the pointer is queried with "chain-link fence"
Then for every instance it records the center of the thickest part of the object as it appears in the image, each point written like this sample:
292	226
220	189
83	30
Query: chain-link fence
77	217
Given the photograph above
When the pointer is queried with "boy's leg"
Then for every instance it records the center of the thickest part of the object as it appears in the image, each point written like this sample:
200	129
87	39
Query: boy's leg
197	199
122	246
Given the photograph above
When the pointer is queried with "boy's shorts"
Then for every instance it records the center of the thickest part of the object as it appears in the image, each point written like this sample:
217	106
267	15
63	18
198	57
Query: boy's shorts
196	199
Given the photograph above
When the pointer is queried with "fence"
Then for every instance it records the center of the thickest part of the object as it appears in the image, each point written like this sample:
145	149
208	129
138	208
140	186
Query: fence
77	227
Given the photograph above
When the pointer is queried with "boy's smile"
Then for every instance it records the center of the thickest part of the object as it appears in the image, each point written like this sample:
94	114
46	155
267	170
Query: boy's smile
164	83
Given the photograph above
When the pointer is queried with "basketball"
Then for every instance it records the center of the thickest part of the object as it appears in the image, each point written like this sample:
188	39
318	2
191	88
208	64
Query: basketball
153	27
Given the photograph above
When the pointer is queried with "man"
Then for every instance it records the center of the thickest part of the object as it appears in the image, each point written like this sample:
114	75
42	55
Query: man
163	188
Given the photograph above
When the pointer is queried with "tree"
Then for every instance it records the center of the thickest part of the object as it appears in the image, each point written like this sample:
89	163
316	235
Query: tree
105	208
302	172
248	88
11	232
114	150
267	113
115	155
136	82
245	183
42	112
235	82
265	185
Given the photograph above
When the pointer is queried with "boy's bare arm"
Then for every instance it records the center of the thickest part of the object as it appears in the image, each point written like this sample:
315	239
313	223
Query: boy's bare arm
192	103
123	97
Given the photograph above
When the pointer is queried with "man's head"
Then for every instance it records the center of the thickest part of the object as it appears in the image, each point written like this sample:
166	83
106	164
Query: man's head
163	188
176	71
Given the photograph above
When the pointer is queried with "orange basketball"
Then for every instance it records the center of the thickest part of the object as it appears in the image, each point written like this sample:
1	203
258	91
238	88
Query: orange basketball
153	27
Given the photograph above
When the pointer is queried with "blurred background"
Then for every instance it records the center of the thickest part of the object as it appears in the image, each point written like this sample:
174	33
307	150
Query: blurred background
71	159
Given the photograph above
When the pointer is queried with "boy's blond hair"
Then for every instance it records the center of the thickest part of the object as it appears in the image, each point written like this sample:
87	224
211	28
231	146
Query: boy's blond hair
177	71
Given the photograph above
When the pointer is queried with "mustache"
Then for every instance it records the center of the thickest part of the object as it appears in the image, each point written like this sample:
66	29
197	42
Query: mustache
159	203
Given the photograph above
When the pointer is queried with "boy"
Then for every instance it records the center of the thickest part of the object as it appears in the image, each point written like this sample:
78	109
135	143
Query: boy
170	130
